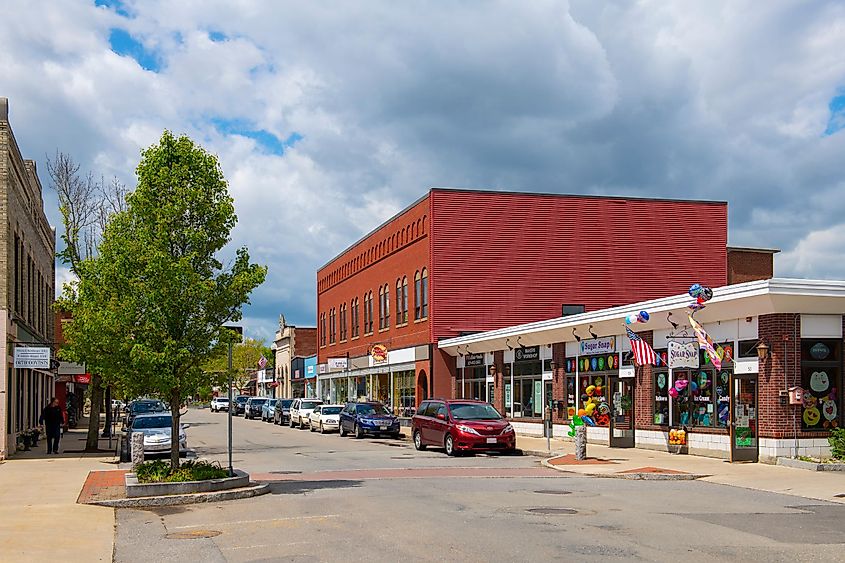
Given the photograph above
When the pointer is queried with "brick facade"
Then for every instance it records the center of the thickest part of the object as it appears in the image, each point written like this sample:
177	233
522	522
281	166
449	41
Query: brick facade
746	264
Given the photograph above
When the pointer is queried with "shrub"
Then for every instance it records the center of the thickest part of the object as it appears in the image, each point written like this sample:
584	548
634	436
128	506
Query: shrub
158	471
837	443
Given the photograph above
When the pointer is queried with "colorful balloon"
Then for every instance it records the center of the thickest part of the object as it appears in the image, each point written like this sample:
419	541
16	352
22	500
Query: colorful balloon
673	392
707	293
632	319
643	317
695	290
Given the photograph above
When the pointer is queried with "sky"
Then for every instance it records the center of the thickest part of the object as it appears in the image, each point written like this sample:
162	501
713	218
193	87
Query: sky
330	117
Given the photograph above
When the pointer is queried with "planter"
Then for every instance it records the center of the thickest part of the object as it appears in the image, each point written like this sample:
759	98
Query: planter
134	489
810	465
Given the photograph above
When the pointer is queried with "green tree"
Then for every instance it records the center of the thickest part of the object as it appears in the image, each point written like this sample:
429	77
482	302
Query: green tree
150	307
245	356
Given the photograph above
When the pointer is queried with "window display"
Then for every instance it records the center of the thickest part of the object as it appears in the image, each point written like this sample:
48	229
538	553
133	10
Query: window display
821	381
661	397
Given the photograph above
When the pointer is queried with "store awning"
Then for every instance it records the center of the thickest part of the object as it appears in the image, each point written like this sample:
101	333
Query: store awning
764	297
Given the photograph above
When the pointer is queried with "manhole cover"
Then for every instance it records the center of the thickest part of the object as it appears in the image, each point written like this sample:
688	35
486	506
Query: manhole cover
552	511
286	472
552	492
193	535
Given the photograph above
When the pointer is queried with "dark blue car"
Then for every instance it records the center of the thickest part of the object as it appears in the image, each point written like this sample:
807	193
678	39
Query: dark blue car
368	418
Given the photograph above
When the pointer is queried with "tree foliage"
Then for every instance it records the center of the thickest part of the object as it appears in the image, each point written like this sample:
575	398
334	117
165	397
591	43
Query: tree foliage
151	305
245	356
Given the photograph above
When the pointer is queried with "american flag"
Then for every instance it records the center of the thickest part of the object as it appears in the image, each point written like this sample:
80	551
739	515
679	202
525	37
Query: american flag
643	353
262	362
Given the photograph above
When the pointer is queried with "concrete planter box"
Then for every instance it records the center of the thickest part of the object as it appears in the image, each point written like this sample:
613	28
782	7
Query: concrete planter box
810	465
134	489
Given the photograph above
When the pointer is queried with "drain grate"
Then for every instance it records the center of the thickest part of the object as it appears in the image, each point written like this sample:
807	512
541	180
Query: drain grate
551	511
552	492
193	535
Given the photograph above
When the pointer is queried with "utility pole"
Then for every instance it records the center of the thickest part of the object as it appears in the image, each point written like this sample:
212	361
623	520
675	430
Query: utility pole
229	412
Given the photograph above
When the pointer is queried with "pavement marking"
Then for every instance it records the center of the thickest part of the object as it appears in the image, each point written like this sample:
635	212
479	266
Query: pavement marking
265	545
239	522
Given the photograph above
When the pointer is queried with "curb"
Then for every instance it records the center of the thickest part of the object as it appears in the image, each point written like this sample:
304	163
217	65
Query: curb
543	453
253	490
809	465
630	476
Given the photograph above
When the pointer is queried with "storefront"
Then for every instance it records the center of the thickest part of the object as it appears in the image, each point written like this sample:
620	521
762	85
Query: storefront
774	389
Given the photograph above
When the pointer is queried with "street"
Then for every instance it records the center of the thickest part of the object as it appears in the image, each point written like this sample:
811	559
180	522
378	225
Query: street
374	500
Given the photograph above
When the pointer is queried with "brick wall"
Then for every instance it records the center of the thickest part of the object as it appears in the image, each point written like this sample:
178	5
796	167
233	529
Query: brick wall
781	370
644	390
747	265
305	341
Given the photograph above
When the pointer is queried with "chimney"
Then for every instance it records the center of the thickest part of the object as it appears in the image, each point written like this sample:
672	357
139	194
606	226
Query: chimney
4	109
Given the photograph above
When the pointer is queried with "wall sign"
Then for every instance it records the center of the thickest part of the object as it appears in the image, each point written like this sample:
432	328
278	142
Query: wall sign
379	353
338	363
527	354
683	355
598	346
37	357
472	360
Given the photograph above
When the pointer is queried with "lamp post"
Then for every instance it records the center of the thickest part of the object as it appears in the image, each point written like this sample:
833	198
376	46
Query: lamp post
240	331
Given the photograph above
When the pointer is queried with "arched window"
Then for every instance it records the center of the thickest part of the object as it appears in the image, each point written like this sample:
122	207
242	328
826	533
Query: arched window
417	293
405	299
342	322
322	329
424	294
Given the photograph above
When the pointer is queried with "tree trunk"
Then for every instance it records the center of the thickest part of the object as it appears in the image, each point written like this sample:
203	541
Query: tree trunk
174	429
92	443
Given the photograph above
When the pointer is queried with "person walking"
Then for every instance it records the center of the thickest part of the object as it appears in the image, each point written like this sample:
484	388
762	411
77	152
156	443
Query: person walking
52	419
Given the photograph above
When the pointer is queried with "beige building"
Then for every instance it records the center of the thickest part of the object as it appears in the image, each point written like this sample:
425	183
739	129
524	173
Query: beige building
27	291
291	342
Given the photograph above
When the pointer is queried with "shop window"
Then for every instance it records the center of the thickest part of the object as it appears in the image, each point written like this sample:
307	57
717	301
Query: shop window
821	379
472	383
661	397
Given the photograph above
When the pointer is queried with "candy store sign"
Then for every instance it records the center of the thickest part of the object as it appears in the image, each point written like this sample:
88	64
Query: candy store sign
683	355
598	346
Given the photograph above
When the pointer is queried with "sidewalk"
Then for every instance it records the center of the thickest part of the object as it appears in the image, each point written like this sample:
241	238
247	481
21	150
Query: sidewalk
615	462
39	517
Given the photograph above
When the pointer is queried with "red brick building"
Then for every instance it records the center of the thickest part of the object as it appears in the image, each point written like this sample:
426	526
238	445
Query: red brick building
461	261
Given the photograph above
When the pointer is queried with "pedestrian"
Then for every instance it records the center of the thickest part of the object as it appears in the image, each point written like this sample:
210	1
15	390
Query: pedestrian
52	419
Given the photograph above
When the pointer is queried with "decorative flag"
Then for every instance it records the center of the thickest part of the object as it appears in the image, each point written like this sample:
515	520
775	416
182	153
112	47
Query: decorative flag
643	353
262	362
706	343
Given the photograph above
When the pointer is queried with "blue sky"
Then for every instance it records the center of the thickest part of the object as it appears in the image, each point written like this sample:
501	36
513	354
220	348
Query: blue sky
328	119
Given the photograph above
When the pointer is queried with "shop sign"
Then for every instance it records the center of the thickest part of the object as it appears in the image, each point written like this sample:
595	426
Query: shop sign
819	351
37	357
683	355
322	368
379	353
83	379
527	354
626	371
338	363
474	360
602	345
309	371
296	373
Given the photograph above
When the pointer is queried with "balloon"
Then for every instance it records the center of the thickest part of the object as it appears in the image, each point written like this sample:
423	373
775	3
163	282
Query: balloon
673	392
588	421
582	413
681	384
700	300
632	319
590	408
601	362
695	290
590	390
593	364
693	386
707	293
643	316
695	306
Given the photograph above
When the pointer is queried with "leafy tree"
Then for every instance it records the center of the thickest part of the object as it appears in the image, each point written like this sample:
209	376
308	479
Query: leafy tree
151	305
245	358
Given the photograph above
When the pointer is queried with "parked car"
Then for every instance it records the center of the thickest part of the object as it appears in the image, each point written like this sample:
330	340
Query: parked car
300	409
324	418
143	406
240	404
157	433
461	425
281	412
252	409
368	418
219	404
267	410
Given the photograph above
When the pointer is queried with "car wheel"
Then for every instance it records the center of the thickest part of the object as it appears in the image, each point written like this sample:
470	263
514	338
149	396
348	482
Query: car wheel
418	441
301	424
291	422
449	445
359	432
322	430
341	429
311	427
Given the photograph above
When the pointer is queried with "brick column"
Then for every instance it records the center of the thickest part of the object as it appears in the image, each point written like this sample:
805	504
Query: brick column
781	370
644	390
499	387
559	381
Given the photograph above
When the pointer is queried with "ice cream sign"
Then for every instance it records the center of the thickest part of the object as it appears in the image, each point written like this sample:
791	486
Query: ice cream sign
683	355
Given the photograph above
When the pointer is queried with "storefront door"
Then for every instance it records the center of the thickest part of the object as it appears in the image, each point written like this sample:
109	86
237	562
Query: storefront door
621	412
744	417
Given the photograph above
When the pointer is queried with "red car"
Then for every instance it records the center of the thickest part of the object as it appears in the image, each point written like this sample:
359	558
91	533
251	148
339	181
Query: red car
461	425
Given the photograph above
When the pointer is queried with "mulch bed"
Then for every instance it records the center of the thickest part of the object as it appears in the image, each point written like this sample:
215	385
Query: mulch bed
650	469
103	485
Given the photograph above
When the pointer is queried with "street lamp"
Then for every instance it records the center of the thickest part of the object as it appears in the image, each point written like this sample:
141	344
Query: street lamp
240	331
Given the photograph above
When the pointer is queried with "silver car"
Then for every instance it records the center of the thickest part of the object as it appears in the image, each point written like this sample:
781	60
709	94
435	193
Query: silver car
156	428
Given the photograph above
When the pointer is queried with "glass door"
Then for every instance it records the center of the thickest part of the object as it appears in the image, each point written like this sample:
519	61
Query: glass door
743	417
621	412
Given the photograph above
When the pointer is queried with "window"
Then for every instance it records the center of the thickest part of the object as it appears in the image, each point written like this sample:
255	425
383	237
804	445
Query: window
424	295
417	300
368	313
332	325
404	299
381	307
343	322
354	306
322	329
661	395
821	380
398	302
386	306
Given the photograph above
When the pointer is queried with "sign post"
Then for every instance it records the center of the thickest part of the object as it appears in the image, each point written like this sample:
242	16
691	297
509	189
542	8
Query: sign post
240	331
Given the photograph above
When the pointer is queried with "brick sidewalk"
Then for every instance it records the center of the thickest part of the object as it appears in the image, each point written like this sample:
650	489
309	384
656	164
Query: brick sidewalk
103	485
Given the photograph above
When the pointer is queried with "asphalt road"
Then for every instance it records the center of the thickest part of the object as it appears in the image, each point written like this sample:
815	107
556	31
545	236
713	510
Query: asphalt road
342	499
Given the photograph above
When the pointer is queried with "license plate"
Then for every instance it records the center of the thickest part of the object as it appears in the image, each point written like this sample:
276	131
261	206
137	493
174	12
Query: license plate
384	426
491	440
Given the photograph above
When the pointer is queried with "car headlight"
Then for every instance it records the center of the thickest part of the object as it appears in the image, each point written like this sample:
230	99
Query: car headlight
507	429
467	429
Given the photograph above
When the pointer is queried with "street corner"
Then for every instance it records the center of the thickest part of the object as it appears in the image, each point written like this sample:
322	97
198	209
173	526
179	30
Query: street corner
103	486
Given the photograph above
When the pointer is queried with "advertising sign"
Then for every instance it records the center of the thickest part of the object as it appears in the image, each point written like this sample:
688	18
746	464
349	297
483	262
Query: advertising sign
527	354
683	355
593	346
474	360
37	357
379	353
338	363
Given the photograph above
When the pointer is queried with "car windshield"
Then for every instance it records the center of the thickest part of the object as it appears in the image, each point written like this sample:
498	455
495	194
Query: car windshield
222	399
372	410
241	399
151	422
286	403
309	404
331	410
272	402
474	411
148	406
259	402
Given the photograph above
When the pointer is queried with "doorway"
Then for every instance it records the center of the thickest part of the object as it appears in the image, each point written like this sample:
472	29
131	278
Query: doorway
622	412
743	417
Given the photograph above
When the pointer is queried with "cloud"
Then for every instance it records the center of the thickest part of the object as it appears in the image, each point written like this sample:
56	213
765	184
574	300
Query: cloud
329	119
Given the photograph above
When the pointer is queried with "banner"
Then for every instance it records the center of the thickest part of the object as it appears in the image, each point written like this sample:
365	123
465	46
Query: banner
338	363
683	355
